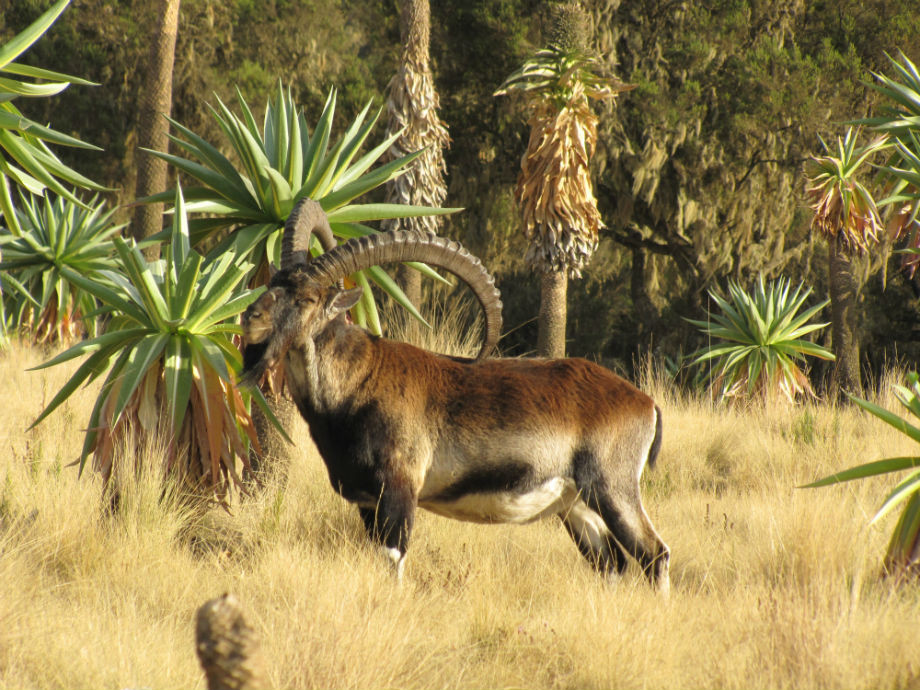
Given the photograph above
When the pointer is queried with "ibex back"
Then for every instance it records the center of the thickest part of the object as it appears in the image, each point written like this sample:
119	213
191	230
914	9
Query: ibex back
484	440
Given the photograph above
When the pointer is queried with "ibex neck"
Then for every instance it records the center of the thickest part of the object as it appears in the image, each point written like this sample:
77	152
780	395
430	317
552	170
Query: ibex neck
342	358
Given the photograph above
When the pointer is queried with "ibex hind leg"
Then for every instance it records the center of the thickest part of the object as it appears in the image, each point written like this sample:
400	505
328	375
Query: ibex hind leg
593	539
389	526
621	508
633	530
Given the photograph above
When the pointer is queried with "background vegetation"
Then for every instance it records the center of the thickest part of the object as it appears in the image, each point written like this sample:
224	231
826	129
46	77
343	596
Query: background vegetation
698	170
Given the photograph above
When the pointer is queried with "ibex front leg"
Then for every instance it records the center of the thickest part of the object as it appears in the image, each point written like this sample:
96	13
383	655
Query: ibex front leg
389	525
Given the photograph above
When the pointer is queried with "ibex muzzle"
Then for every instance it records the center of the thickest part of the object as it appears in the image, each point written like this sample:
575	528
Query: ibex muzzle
484	440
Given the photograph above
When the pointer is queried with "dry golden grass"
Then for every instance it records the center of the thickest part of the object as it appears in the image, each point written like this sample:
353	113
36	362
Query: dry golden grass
773	586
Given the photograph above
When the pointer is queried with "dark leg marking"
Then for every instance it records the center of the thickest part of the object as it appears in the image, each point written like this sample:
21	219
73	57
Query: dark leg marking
390	523
606	559
624	516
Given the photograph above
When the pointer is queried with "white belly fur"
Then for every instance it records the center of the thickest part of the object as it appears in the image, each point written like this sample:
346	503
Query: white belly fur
549	498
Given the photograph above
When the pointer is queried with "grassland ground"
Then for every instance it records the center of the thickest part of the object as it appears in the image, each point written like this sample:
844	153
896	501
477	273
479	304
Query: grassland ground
773	586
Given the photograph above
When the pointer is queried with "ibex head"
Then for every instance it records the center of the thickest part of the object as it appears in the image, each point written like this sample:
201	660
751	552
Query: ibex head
284	316
305	295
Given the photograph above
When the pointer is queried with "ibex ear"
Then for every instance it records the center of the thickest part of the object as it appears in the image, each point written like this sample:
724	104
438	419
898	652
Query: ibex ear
269	297
342	300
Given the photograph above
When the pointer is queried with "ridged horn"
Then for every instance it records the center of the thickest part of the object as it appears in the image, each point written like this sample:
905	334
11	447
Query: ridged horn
395	247
307	217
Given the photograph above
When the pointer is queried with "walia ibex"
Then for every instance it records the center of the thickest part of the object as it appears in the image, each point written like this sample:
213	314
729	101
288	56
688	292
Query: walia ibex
485	440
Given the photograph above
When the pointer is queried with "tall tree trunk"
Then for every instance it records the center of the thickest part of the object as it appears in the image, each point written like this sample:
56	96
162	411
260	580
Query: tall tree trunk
410	281
412	103
846	376
643	308
552	317
152	126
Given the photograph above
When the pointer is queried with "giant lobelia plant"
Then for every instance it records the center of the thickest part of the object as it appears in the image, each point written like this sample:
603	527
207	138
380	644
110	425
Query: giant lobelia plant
558	207
759	341
42	237
903	556
246	202
25	157
898	118
846	215
170	361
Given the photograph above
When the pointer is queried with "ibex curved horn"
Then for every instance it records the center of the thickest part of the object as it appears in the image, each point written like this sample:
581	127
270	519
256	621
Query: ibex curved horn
307	217
340	261
396	247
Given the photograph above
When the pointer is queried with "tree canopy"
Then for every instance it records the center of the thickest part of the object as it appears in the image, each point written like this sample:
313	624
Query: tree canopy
698	170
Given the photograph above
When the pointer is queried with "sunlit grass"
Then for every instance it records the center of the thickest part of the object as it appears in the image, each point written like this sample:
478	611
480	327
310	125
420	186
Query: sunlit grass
773	586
